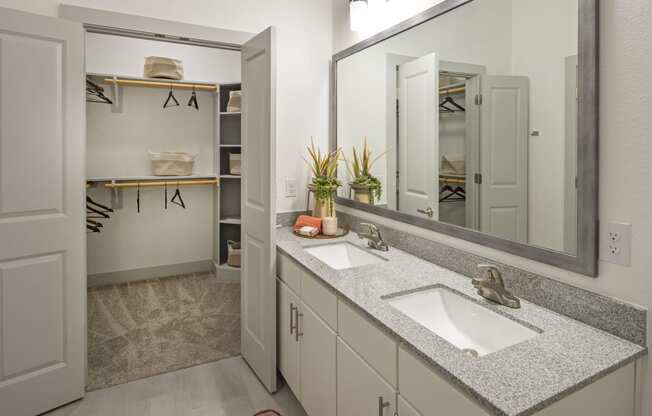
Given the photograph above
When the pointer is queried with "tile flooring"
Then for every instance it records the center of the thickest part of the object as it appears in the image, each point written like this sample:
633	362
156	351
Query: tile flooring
222	388
150	327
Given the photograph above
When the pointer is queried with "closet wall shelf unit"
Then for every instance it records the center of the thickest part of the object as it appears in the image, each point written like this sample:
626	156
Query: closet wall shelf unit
131	81
229	215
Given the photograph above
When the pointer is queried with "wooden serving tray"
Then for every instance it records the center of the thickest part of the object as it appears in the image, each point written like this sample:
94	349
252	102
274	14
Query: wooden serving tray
341	232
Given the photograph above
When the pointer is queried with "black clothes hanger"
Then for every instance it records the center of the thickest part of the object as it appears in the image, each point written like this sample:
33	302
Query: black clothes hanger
92	228
94	223
95	93
171	97
102	207
193	100
166	195
100	214
138	198
177	194
449	100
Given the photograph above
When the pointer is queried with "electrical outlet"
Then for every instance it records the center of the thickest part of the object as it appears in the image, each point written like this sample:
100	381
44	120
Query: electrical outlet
616	242
290	188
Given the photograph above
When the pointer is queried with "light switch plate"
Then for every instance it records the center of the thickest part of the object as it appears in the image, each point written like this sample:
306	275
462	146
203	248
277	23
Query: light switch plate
616	243
290	188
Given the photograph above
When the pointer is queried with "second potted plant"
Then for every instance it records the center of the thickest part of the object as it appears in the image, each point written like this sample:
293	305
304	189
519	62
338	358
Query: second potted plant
324	182
367	188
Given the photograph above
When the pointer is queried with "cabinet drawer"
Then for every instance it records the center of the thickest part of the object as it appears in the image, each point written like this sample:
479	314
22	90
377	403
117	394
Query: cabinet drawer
289	272
377	348
428	392
320	299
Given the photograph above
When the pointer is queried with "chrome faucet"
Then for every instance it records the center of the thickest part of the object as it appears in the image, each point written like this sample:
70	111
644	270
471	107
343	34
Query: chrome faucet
374	240
491	286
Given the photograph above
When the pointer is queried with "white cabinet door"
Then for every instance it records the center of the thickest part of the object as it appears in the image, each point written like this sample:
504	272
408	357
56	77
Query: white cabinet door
418	137
42	234
360	390
318	365
288	343
258	206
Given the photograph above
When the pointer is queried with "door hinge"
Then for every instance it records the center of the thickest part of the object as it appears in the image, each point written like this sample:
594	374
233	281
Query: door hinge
478	99
477	178
397	107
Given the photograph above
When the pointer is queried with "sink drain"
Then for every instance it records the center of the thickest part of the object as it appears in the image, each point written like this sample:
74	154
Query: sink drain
471	352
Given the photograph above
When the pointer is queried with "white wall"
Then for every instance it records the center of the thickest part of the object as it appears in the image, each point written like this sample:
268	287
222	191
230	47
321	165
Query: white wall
126	56
625	157
304	49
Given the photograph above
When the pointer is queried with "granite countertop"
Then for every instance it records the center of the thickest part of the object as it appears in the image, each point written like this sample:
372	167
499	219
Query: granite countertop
516	381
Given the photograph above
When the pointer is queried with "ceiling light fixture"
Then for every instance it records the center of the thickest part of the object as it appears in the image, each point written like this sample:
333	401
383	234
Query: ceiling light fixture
358	13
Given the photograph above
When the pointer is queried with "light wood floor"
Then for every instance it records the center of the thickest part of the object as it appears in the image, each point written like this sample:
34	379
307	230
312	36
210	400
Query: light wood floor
223	388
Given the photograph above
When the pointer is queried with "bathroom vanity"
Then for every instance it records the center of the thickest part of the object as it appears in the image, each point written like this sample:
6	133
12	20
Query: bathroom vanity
356	337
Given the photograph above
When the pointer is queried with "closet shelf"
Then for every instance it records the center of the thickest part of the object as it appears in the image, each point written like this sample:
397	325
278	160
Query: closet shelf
229	113
235	146
231	220
155	82
230	176
148	178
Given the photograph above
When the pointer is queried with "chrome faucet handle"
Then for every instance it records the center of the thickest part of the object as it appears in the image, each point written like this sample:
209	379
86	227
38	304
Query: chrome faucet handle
372	228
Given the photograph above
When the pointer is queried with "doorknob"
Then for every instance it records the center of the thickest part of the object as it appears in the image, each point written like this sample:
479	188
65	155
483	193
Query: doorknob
428	211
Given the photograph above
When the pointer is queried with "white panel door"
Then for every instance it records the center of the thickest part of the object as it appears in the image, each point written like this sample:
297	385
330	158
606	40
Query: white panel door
42	234
418	138
504	118
318	365
258	206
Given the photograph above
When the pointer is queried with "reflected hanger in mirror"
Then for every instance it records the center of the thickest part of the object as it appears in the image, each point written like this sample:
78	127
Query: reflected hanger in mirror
177	195
171	97
138	198
193	100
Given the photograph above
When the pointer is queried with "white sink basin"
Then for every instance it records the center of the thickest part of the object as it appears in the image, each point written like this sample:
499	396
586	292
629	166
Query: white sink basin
460	321
343	255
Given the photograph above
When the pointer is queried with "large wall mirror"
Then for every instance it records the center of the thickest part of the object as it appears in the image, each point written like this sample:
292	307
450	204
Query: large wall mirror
480	118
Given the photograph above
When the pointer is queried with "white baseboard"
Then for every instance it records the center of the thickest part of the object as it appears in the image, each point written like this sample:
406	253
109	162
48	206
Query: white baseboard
124	276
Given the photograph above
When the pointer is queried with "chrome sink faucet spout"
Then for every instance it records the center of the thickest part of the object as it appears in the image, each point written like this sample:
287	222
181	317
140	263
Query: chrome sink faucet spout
374	240
491	286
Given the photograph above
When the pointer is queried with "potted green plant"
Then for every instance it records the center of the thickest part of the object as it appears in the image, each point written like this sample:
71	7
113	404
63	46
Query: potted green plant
324	182
366	187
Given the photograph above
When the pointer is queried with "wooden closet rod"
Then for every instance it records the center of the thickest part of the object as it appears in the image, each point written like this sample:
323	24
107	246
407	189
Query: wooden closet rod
452	180
451	90
144	184
160	84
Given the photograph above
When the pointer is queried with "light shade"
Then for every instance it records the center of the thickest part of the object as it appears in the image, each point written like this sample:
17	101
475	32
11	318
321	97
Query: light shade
358	13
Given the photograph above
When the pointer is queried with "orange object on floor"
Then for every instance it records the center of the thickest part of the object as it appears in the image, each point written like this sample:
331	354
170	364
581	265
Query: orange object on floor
307	221
267	413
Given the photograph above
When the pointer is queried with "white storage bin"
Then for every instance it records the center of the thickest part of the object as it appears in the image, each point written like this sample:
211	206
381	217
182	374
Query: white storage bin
171	163
159	67
235	163
234	253
234	104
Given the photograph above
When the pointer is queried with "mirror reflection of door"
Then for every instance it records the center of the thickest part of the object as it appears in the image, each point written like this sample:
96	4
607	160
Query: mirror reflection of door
418	137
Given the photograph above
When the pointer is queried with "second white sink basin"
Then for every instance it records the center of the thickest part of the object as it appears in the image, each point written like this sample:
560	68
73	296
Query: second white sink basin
343	255
460	321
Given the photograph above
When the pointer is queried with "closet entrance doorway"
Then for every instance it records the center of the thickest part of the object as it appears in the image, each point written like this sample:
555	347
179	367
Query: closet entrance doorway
138	226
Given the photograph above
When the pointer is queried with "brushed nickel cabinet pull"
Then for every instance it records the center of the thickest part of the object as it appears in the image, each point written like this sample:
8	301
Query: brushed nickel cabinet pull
292	325
382	405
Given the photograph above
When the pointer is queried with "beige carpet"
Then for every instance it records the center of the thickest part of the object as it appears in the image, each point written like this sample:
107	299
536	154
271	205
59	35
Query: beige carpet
141	329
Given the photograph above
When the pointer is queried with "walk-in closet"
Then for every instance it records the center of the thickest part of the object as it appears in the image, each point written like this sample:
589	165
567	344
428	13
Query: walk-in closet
163	206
